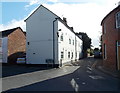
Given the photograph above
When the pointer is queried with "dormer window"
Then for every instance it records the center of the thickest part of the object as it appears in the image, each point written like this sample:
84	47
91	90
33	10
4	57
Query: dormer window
118	20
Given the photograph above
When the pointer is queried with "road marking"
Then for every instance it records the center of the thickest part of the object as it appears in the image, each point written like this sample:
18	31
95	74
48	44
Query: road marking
96	77
74	85
88	65
83	83
34	77
95	63
88	71
89	68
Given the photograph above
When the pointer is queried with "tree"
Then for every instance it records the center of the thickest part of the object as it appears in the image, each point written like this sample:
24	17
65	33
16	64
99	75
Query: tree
96	49
86	42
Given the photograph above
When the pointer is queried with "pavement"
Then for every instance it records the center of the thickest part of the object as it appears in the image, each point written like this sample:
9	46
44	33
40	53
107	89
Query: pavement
76	77
115	74
98	65
25	79
11	70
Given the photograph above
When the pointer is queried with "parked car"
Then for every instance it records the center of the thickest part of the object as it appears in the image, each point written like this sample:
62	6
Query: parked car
97	54
22	59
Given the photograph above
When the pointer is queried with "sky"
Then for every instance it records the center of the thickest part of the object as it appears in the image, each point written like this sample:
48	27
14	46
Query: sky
82	15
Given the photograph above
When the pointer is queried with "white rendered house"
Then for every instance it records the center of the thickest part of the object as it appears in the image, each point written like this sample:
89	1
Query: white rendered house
49	38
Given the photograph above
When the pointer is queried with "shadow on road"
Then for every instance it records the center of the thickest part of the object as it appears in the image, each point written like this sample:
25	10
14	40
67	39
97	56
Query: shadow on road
55	84
77	81
11	70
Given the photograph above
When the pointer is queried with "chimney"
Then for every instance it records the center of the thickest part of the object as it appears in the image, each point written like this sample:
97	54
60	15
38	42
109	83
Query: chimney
65	20
71	28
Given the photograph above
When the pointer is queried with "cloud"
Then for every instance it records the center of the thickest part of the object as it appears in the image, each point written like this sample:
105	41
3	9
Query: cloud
14	23
53	1
33	2
85	17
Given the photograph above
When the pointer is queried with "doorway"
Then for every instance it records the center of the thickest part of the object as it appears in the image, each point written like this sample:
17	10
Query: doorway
118	55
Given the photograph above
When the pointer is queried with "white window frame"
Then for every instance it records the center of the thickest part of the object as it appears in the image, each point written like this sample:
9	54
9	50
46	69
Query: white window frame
117	17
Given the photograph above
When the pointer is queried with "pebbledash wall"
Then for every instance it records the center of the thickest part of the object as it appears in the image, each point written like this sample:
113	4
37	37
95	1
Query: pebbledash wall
13	45
50	38
111	39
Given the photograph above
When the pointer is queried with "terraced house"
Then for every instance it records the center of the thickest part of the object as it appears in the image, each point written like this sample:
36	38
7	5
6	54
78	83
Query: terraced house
111	39
50	39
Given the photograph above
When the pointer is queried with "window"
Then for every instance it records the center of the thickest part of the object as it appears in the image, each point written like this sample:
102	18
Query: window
118	20
69	41
28	43
62	54
68	54
105	54
72	55
76	54
118	43
73	42
61	38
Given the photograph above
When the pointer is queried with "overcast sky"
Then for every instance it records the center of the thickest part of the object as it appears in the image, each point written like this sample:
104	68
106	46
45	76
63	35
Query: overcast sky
83	15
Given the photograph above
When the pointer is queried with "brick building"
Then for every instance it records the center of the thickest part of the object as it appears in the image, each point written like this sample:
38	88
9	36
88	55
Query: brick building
13	45
111	39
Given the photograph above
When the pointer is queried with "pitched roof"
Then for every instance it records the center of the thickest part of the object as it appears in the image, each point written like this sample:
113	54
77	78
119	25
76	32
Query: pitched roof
5	33
37	9
54	14
61	20
70	28
110	13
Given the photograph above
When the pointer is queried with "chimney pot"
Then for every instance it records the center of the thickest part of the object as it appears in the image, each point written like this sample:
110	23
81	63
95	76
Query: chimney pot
64	19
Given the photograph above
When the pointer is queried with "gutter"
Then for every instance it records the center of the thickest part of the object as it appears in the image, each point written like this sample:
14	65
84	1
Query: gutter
54	41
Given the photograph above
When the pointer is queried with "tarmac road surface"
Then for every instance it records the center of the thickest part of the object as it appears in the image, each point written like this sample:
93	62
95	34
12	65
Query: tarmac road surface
80	77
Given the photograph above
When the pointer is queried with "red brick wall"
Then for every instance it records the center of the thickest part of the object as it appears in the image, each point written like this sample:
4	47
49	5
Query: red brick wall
16	45
110	38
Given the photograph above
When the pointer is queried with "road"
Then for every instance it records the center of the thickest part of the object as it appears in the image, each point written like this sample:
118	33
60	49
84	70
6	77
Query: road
84	78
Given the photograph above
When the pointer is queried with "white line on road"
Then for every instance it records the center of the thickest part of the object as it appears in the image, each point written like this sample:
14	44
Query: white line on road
88	71
96	77
74	85
34	77
89	68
